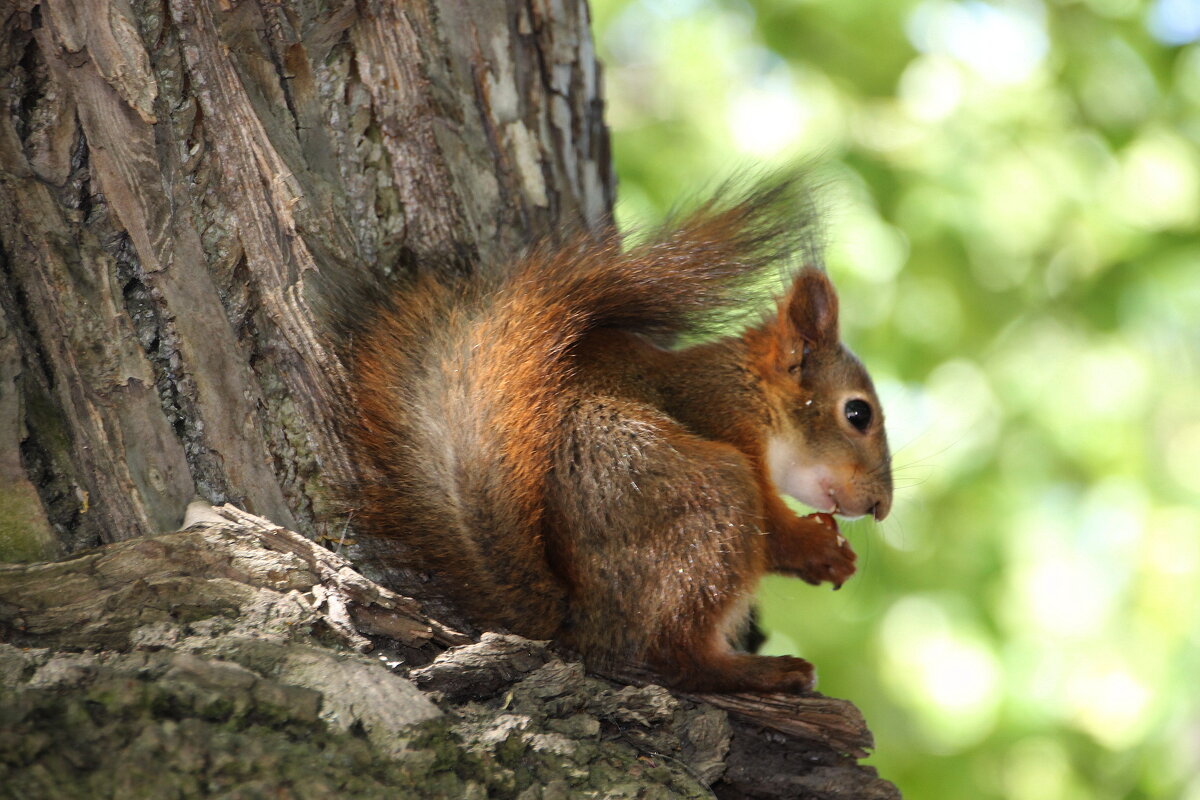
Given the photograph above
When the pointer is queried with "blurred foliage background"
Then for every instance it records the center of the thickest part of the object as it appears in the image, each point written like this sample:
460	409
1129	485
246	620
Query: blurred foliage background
1012	193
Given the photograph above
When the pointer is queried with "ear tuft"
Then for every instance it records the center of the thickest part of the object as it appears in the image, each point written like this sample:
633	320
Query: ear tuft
812	307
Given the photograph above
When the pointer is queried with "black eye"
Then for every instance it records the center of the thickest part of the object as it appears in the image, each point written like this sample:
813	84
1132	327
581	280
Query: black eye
858	414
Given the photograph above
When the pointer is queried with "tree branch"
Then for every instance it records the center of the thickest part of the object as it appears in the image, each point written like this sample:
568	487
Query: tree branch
257	638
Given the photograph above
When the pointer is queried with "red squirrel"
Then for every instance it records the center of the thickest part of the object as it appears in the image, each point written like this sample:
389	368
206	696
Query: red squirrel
540	443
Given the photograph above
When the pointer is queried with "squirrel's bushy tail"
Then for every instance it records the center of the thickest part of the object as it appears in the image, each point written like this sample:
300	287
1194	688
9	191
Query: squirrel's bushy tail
698	273
460	382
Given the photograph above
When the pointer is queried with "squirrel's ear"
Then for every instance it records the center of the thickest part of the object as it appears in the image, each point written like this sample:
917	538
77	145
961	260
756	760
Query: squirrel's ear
812	307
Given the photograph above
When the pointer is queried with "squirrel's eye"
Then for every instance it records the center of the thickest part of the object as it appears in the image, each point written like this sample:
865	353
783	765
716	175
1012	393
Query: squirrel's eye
858	414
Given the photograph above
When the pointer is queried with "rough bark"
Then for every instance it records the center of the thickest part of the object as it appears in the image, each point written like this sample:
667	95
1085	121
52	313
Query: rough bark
174	177
230	659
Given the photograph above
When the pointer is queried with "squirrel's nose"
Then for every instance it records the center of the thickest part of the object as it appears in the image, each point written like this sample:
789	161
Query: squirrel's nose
880	509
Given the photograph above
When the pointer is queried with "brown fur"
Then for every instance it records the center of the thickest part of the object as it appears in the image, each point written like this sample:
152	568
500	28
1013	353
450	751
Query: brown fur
565	475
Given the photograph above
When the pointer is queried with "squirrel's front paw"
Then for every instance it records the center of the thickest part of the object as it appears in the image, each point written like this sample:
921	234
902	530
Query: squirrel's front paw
828	555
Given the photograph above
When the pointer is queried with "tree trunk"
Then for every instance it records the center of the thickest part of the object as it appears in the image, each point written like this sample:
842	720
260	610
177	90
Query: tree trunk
173	177
175	180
